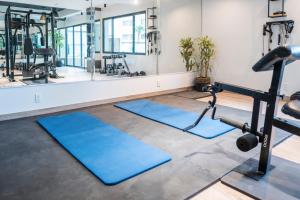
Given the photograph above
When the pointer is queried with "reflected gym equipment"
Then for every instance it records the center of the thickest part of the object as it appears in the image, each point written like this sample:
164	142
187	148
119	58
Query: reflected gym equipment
25	22
116	68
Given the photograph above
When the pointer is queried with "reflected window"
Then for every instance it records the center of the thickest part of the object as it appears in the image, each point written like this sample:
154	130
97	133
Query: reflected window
84	41
70	46
125	34
107	35
140	33
97	36
61	43
77	46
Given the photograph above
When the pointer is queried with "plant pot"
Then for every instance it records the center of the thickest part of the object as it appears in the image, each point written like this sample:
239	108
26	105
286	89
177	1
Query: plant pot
59	63
201	83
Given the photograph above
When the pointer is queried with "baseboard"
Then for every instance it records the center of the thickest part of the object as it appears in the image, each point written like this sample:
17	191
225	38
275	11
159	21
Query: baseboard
84	105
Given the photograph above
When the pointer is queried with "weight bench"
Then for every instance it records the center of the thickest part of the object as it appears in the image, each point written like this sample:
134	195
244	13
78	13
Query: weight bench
48	65
267	176
292	108
260	178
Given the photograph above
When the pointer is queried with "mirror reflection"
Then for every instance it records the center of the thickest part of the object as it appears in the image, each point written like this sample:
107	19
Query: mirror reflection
46	45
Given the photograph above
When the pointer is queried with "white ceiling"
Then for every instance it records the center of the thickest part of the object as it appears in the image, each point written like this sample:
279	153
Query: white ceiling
75	4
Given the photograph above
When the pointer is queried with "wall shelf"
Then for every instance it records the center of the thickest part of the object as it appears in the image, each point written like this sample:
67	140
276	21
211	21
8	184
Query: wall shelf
279	13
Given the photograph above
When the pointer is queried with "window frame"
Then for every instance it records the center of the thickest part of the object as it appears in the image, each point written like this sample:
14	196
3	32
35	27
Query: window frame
133	15
66	42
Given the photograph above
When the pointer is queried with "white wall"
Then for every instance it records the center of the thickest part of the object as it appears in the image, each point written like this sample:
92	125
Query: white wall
22	99
236	28
179	19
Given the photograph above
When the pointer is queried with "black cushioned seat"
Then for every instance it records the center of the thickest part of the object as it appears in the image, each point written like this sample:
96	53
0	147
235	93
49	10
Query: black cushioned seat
289	54
292	108
295	96
45	51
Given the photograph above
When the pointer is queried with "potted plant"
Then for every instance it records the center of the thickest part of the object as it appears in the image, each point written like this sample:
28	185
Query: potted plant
187	50
206	52
59	38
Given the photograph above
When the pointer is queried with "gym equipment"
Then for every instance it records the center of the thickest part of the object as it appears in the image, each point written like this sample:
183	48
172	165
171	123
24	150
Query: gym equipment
153	33
292	108
275	61
25	22
176	118
105	58
286	28
116	68
295	96
110	154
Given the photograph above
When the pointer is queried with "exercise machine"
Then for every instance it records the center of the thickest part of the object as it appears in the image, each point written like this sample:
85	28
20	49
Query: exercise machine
275	61
12	25
118	66
285	27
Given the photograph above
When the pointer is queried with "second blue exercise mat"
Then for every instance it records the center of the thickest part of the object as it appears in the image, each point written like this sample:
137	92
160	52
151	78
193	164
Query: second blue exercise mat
112	155
175	117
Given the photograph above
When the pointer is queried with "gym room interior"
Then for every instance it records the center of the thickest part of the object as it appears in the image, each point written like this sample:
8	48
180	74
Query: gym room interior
149	99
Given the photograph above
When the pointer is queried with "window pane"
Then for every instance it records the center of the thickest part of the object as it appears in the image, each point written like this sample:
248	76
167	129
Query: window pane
140	33
70	46
123	34
108	35
77	46
61	45
97	36
84	41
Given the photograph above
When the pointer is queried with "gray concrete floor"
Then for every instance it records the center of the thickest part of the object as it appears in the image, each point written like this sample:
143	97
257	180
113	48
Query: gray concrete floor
34	166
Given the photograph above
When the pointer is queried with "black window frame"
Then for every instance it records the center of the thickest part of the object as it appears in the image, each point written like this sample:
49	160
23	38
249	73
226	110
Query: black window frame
66	42
133	27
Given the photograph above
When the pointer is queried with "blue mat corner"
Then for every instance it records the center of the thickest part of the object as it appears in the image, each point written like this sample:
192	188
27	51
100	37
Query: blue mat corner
176	118
110	154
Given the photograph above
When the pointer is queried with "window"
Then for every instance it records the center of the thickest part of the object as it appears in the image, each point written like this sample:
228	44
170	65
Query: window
125	34
84	42
70	46
140	33
61	44
97	36
107	39
75	47
2	40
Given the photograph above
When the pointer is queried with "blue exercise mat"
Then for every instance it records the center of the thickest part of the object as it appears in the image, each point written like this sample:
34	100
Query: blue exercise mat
176	118
112	155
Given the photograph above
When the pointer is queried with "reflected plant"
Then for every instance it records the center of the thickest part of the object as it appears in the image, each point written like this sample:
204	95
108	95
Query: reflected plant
139	29
59	38
186	51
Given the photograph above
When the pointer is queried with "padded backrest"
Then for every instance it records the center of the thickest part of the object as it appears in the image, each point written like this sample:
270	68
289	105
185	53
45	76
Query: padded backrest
289	53
28	47
44	51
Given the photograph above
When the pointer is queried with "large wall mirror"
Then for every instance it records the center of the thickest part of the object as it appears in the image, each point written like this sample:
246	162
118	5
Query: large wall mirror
48	46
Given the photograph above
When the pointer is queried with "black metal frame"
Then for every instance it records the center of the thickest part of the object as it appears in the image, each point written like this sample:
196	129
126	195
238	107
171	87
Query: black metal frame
271	98
10	47
112	26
